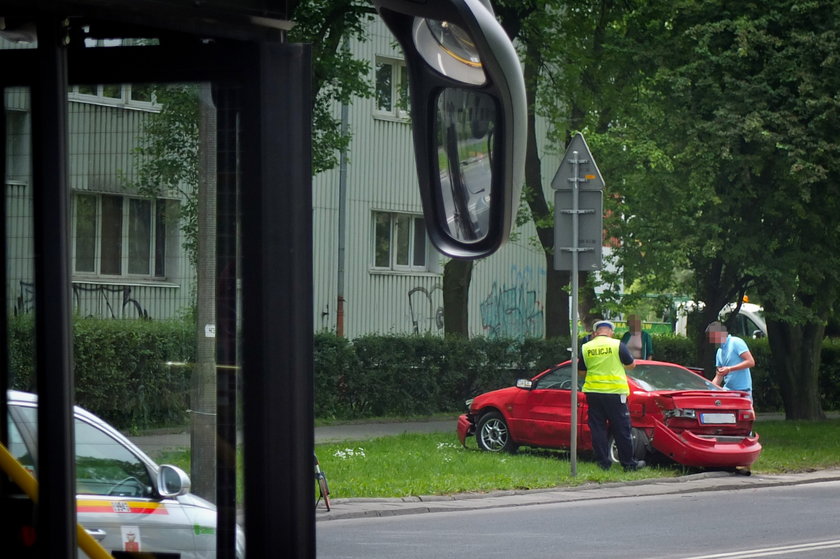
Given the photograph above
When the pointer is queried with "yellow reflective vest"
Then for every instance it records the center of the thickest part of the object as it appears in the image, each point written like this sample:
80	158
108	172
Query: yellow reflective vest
604	370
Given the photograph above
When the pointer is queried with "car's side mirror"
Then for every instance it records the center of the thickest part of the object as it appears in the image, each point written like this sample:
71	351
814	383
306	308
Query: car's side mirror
172	481
524	383
468	113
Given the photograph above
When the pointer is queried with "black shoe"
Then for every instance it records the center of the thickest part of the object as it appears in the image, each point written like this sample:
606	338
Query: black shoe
605	467
637	466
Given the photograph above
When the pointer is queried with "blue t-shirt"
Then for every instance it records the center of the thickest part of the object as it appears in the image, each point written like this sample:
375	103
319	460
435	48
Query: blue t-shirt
729	354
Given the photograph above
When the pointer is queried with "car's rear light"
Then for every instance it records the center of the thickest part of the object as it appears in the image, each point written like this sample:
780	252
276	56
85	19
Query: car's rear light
747	415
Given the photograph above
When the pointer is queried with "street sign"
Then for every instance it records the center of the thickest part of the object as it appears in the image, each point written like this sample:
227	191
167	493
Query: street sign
590	230
578	225
586	174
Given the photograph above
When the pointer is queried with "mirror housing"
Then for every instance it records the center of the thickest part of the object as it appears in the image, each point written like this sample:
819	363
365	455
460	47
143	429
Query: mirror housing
172	481
524	383
468	112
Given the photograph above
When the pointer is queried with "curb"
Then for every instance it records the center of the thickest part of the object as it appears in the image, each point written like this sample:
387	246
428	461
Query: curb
694	483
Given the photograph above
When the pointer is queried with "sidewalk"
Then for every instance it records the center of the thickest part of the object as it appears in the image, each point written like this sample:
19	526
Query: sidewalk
154	443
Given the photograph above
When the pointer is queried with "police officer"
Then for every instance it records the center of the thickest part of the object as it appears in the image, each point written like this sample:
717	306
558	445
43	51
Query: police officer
603	361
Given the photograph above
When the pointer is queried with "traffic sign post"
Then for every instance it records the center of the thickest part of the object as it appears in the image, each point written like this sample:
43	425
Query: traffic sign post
578	235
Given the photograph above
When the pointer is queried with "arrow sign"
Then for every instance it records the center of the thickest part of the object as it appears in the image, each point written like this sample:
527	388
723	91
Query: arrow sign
588	176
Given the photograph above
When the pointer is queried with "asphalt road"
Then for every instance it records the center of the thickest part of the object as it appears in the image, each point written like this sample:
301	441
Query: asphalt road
794	521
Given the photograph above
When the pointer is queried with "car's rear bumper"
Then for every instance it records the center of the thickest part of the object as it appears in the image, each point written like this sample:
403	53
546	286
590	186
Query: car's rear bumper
692	450
465	428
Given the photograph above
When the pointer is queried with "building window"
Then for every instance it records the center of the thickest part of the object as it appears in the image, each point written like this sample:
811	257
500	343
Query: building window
18	142
119	236
399	242
133	96
391	88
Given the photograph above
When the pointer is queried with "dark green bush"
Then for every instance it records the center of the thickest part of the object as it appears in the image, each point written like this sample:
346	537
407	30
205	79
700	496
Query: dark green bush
830	375
120	368
122	375
675	349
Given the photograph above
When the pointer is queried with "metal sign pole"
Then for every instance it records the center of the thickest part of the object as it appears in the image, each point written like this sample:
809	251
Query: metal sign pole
577	181
575	266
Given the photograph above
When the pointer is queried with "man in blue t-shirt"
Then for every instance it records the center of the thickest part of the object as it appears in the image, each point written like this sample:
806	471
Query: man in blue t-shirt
733	359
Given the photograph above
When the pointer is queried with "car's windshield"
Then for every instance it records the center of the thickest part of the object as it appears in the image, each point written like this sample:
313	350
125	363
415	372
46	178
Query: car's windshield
664	377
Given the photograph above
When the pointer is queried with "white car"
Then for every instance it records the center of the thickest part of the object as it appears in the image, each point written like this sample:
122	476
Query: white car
124	499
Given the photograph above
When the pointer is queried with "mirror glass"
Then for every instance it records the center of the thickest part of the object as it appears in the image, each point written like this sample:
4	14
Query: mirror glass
449	50
465	131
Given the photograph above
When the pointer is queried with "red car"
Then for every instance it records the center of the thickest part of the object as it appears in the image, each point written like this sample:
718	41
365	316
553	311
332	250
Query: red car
675	414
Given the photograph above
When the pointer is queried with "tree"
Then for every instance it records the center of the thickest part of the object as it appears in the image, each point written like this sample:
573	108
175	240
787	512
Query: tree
168	162
729	165
457	275
167	156
574	76
337	75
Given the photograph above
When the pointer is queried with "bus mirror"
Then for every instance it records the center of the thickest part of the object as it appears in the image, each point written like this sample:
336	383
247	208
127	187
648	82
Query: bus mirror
468	112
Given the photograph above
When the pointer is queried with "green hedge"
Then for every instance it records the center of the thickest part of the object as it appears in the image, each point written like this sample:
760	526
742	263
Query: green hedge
121	371
120	368
399	376
415	375
678	349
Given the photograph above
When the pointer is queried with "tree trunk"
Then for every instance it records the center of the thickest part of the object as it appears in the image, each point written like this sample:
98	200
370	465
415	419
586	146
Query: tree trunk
556	301
795	351
203	396
556	283
714	298
457	275
587	301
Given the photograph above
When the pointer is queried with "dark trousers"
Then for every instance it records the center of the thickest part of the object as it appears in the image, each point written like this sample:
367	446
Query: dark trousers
608	415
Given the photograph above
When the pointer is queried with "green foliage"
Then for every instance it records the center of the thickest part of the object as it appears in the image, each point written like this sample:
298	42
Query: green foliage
168	156
437	464
338	76
415	375
121	371
377	376
798	446
675	349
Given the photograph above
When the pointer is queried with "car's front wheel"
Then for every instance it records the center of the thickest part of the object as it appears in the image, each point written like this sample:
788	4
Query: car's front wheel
492	433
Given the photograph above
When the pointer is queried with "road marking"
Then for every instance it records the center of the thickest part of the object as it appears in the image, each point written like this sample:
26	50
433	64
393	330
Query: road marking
770	551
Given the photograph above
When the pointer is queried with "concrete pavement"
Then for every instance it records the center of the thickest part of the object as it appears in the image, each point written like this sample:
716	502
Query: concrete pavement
361	508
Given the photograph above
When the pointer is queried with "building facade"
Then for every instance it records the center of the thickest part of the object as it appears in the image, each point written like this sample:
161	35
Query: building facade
375	270
390	276
127	251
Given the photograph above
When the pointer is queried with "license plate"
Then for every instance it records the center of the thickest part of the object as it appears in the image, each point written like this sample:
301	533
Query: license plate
717	418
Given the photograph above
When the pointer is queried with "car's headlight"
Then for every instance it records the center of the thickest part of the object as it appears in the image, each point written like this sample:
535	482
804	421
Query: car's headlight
469	402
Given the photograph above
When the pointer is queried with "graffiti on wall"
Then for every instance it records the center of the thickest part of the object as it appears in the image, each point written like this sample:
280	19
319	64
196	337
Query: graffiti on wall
113	301
514	310
425	316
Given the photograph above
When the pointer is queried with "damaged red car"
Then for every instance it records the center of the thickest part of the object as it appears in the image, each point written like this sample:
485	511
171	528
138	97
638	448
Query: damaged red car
676	415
